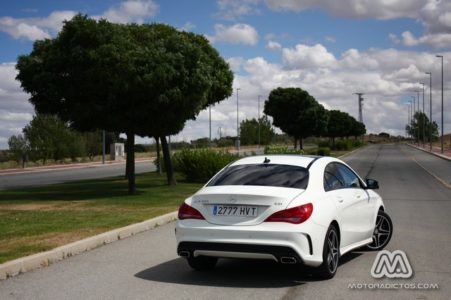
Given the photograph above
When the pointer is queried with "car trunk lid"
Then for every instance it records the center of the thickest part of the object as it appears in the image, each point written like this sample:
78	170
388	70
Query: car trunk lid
242	205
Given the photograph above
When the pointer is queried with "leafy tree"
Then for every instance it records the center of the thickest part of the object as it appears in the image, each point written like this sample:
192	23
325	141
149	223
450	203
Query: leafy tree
341	124
249	131
384	135
358	129
225	141
137	79
51	138
180	75
421	127
18	146
296	113
337	125
93	140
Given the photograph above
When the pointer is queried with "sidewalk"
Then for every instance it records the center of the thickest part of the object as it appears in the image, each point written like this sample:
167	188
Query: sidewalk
435	150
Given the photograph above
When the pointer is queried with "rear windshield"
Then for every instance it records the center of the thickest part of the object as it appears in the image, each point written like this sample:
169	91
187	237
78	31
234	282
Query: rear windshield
263	174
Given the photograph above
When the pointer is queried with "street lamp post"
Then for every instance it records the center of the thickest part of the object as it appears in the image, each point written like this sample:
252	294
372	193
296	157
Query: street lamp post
408	119
412	113
430	110
209	123
422	117
258	116
441	56
415	132
237	122
418	110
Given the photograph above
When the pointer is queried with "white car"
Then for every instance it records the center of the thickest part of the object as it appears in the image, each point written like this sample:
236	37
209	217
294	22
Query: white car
287	208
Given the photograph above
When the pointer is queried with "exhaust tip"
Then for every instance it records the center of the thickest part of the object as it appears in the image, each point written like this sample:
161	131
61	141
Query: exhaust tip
184	253
288	260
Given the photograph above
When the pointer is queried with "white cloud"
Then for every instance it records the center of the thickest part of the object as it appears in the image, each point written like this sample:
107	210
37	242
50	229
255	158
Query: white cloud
271	45
353	8
235	63
434	15
234	9
131	11
35	28
235	34
15	110
384	75
46	27
304	56
353	59
436	18
434	40
188	26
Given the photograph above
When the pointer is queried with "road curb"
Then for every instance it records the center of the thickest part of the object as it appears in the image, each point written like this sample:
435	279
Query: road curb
43	259
433	153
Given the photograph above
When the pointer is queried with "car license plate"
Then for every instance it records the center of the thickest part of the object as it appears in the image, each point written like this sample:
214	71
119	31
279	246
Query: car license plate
235	210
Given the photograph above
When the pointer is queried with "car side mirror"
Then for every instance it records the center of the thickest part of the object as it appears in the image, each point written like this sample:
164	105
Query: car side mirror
372	184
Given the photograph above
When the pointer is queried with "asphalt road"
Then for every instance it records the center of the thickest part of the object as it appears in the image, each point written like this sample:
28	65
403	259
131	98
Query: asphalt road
146	266
47	177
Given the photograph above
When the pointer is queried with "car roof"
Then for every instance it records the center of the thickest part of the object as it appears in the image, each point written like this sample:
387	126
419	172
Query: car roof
288	159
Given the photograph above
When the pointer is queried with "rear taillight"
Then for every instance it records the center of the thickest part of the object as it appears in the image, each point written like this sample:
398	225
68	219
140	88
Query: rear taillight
188	212
294	215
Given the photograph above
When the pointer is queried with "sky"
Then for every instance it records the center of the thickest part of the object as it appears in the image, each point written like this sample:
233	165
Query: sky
330	48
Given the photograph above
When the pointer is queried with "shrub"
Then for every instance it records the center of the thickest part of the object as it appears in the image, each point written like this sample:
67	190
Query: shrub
323	144
357	143
199	165
323	151
310	152
273	149
341	145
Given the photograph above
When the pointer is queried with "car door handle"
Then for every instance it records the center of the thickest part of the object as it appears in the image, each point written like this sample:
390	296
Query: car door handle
340	199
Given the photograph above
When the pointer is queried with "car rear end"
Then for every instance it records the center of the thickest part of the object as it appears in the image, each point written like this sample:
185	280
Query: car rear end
252	209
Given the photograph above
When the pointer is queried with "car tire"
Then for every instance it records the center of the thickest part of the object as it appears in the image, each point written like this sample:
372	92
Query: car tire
202	263
382	233
331	254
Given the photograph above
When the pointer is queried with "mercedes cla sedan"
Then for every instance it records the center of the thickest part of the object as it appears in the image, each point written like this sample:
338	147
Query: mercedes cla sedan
287	208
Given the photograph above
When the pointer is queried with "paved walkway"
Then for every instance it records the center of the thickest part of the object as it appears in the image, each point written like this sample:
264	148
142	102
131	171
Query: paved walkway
436	150
68	166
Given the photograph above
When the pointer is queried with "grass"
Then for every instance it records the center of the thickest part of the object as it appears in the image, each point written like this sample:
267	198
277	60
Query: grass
42	218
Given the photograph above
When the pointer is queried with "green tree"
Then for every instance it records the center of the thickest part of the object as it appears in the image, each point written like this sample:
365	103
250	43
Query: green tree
180	75
357	129
341	124
19	148
421	127
296	113
249	131
51	138
336	126
93	140
137	79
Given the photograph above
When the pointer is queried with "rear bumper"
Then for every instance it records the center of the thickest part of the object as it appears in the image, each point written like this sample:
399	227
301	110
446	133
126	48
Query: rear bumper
194	249
264	241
